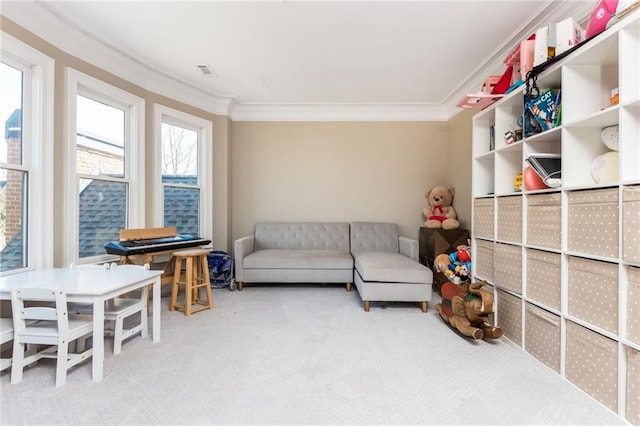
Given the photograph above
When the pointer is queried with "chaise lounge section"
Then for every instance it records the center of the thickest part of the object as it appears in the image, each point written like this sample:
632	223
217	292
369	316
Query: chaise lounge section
387	267
295	252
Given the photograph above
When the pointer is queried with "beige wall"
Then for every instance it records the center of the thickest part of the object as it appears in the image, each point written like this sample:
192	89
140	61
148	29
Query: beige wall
338	171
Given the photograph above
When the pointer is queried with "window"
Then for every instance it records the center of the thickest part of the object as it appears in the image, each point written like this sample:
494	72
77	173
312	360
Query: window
26	85
184	174
105	138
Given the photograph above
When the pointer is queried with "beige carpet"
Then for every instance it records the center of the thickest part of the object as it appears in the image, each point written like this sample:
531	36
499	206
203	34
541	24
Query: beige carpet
304	355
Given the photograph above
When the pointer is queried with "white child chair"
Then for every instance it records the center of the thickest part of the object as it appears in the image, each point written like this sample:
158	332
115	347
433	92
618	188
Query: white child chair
116	310
46	323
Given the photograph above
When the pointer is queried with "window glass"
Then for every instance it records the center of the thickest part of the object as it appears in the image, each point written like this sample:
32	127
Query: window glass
100	166
103	213
181	209
11	83
100	138
13	232
179	152
180	178
13	173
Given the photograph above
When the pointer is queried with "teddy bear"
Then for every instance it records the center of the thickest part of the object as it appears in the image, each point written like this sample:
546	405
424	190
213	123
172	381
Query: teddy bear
440	213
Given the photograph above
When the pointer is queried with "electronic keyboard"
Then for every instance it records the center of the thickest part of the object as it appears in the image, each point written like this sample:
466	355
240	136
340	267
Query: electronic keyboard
151	245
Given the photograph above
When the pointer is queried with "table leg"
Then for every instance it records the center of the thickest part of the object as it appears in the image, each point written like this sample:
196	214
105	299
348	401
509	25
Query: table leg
155	334
98	339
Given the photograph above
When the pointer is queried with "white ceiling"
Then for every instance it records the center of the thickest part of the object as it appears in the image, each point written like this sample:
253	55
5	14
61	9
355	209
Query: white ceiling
408	56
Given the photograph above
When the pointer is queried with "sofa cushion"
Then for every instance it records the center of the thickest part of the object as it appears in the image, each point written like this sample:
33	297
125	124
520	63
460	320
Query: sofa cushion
302	236
374	236
390	267
298	259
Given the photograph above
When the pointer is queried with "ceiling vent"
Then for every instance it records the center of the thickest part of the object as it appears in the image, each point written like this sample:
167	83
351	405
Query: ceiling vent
207	71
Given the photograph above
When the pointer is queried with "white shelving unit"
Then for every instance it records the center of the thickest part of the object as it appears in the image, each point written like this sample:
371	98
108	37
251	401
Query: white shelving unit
565	262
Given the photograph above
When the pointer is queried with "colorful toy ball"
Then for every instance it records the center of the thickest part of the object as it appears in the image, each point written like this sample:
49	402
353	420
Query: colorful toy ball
463	255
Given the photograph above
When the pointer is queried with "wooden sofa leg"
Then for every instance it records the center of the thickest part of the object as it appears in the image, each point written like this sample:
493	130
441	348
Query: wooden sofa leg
367	305
239	283
425	306
348	286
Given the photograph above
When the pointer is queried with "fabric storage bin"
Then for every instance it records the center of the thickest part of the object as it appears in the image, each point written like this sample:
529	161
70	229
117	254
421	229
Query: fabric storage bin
633	304
483	217
544	277
632	412
593	292
593	222
631	224
483	259
510	218
509	316
542	336
507	267
592	364
544	220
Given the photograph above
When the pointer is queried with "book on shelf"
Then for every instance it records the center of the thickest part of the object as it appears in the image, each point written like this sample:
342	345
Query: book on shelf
545	108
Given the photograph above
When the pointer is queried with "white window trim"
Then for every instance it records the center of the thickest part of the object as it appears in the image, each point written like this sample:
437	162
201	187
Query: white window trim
39	149
77	83
205	167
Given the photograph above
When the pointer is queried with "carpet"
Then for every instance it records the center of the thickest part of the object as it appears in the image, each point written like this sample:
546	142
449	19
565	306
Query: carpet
303	354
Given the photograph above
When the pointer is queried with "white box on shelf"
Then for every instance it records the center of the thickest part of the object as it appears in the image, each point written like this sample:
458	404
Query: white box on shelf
545	45
568	34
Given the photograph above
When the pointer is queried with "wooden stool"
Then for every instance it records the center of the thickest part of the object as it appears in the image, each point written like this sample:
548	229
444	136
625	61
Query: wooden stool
195	277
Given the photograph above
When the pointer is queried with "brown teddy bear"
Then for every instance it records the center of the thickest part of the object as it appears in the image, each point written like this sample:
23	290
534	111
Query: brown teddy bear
440	213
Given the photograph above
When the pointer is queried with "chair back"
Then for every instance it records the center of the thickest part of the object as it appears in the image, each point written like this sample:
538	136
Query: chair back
40	309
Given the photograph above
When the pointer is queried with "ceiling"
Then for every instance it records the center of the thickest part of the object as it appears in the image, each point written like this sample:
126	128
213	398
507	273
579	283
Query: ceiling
418	56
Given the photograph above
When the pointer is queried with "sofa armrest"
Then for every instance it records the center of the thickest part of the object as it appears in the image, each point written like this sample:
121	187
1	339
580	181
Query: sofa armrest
242	247
408	247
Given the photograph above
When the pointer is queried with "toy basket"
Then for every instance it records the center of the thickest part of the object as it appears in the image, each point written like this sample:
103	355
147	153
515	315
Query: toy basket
221	269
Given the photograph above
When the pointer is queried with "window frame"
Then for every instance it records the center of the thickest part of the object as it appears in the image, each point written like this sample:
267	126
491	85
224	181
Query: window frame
78	83
37	148
204	130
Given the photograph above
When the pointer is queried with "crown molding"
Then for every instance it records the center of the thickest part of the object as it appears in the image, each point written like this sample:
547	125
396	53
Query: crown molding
338	112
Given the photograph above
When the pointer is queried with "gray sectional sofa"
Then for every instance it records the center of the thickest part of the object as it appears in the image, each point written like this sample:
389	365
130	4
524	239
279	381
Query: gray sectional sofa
383	265
295	252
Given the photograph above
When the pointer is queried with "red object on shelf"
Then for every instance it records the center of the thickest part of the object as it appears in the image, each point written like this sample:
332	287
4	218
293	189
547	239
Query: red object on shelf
532	180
